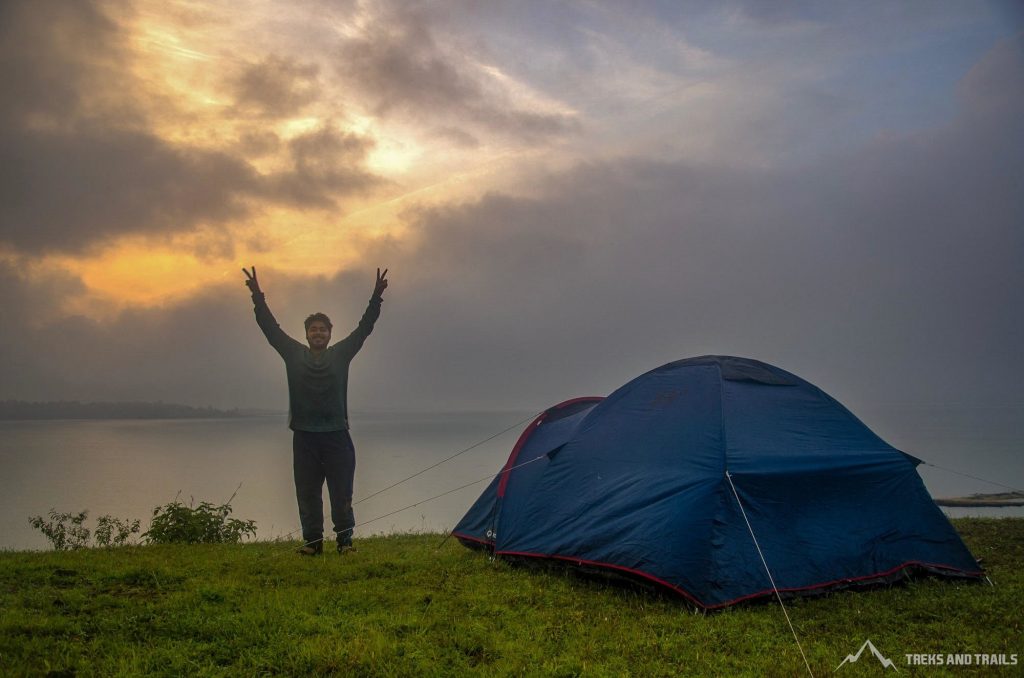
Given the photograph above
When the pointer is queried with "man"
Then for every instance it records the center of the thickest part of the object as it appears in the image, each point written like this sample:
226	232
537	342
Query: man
318	413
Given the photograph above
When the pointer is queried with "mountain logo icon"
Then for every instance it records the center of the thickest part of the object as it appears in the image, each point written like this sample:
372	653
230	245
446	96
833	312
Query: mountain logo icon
884	661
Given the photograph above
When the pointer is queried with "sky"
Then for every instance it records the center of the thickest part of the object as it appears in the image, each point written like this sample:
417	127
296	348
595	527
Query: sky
566	195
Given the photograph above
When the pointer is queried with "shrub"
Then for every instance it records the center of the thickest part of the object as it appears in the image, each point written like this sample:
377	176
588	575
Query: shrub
62	535
67	531
176	523
173	523
112	531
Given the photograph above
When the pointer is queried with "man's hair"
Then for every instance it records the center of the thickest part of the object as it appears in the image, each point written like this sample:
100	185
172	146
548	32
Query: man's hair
321	317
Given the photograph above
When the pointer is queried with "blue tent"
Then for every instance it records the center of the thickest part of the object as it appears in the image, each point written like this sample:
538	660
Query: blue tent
672	476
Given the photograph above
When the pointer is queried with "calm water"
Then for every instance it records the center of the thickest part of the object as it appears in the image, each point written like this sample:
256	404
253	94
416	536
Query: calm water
126	468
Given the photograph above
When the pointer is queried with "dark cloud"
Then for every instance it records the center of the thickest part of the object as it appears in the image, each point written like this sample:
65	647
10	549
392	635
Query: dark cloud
400	66
326	163
403	66
67	190
77	173
258	143
49	57
71	176
31	311
276	87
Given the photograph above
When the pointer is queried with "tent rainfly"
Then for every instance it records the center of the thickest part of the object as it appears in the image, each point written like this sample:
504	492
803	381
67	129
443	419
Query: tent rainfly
672	477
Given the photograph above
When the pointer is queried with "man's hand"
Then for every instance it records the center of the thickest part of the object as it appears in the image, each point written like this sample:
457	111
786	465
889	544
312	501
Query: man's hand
378	289
254	285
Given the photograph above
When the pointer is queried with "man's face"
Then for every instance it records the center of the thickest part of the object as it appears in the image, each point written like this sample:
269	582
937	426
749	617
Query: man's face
318	335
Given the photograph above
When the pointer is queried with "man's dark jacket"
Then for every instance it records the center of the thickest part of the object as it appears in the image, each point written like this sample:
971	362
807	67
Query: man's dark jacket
317	384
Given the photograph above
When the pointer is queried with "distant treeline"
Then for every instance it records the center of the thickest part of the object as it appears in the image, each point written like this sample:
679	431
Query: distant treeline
73	409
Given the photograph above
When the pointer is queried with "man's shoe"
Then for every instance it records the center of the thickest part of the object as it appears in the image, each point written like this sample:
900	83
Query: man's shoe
345	547
310	549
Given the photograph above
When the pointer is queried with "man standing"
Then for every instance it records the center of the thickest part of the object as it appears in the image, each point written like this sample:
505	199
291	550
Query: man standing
318	413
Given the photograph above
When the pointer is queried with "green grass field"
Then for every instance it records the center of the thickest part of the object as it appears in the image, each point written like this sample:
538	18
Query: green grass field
402	607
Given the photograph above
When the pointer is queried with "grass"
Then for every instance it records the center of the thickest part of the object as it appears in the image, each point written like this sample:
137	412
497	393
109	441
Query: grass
402	607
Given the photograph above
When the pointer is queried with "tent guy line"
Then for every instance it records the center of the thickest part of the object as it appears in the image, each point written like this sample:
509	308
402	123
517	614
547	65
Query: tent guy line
489	476
769	573
968	475
447	459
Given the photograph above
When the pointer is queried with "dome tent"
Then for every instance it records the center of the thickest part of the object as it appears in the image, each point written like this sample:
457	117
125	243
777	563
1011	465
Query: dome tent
654	481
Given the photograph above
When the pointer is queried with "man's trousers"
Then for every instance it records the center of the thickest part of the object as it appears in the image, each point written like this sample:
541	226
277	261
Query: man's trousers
319	456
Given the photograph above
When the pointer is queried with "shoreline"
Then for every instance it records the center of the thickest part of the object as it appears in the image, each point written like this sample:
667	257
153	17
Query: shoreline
995	500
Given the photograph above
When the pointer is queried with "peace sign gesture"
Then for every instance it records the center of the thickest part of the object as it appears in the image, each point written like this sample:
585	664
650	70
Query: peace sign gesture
382	283
251	282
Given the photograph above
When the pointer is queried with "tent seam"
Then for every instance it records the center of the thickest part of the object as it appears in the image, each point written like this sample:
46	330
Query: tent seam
750	596
719	517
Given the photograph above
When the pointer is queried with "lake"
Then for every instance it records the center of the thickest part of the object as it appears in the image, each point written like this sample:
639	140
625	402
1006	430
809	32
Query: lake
125	468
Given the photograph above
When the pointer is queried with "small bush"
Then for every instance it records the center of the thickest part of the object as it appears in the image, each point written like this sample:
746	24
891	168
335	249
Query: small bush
65	531
112	531
176	523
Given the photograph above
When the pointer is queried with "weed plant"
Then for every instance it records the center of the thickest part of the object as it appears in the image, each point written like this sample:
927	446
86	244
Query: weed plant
173	523
67	531
176	523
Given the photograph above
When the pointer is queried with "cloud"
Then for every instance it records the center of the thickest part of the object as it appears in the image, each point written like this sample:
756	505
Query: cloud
889	273
403	70
874	276
67	190
276	87
204	349
76	173
48	58
325	163
82	166
190	352
886	272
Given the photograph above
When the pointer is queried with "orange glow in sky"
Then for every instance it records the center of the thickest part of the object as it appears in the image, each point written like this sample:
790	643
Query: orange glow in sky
181	85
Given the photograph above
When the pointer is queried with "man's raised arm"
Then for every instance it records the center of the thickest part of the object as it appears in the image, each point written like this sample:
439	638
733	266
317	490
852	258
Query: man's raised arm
353	342
264	318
